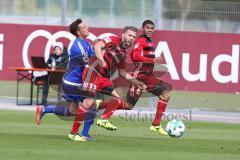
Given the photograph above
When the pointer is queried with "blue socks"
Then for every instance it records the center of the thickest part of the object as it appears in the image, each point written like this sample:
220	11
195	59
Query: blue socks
88	121
62	111
57	110
49	109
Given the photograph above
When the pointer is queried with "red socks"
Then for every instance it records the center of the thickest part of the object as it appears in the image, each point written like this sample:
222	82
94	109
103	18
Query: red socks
110	107
79	117
161	107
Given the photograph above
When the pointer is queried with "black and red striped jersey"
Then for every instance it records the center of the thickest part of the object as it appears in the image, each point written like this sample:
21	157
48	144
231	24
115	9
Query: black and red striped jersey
143	55
113	55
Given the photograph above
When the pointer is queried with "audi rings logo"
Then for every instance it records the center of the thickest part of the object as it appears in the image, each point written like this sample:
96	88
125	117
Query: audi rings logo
51	40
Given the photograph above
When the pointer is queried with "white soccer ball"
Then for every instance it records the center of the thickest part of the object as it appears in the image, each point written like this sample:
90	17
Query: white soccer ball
175	128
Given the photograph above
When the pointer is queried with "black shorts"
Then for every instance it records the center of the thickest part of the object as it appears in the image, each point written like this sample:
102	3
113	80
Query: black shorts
154	85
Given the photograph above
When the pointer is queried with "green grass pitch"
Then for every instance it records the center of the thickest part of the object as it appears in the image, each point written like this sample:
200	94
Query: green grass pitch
179	99
21	139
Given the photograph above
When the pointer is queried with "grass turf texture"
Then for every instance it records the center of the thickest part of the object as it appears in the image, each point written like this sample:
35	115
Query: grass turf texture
21	139
179	99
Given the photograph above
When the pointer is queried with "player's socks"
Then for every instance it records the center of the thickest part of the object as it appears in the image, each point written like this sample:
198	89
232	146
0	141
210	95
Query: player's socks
49	109
41	111
110	107
161	107
46	109
156	127
57	110
121	106
79	117
111	102
62	111
88	121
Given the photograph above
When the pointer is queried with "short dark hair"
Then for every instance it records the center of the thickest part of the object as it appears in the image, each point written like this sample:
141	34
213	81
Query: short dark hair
74	26
130	28
147	22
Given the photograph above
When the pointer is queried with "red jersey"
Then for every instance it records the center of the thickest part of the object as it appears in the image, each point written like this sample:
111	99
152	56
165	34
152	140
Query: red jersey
143	55
113	55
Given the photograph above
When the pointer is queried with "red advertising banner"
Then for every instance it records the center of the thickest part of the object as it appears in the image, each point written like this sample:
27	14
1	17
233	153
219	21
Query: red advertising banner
196	61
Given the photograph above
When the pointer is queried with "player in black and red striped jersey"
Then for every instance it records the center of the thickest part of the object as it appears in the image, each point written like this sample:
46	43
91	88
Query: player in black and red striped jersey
101	67
143	57
110	56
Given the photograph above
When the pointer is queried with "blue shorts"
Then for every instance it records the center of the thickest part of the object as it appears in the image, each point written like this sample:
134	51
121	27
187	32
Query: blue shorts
75	93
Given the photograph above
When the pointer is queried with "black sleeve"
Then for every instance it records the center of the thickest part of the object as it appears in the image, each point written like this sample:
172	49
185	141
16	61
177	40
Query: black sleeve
49	61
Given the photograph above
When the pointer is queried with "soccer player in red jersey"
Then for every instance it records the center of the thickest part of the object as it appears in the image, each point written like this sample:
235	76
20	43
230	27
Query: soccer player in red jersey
110	56
143	57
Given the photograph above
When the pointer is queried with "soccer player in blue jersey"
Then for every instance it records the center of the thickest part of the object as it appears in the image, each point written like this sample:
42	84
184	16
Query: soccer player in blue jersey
79	53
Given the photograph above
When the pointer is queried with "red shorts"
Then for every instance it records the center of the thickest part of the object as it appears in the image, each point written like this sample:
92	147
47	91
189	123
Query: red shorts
93	81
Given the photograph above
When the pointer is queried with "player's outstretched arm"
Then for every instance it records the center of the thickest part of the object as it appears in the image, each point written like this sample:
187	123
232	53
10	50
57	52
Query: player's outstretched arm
130	78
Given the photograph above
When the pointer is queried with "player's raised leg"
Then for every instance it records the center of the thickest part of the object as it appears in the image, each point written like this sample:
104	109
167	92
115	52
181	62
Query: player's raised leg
59	110
66	111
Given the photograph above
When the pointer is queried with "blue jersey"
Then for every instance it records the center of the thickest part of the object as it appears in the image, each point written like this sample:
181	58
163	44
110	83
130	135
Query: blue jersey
79	52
